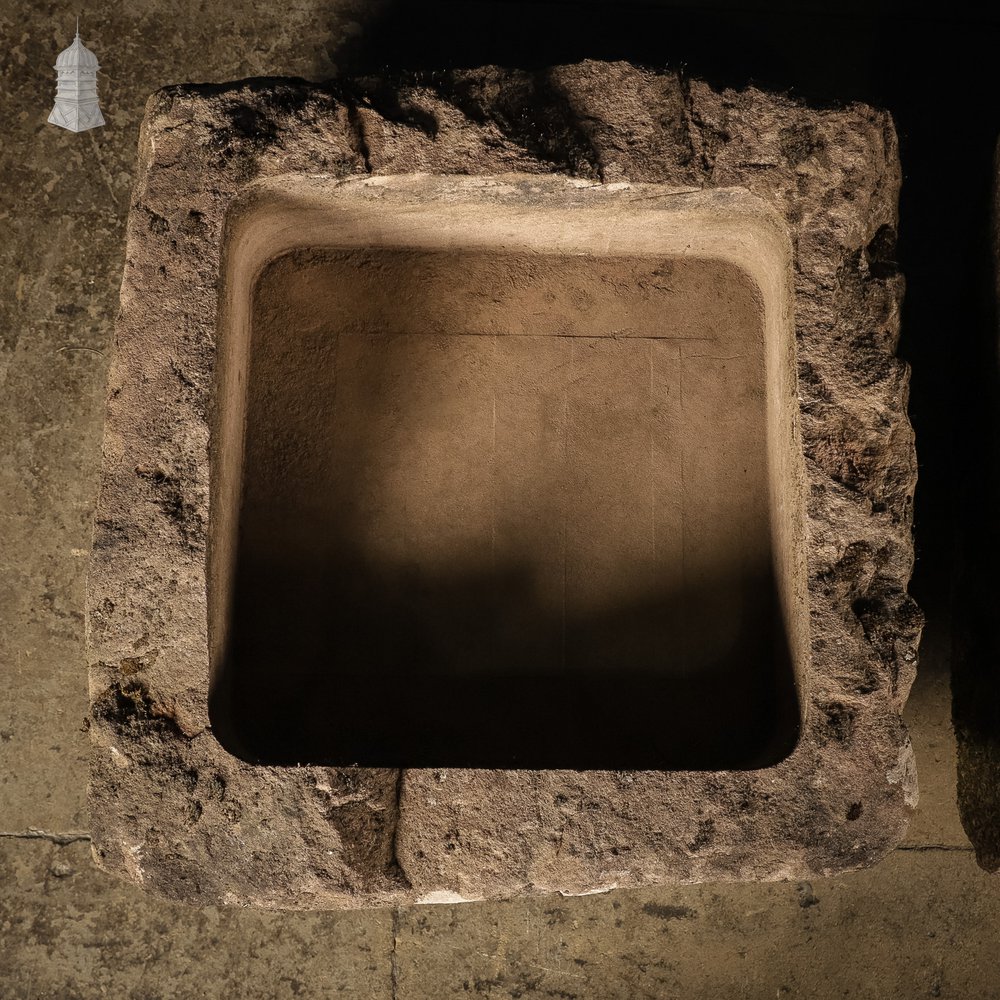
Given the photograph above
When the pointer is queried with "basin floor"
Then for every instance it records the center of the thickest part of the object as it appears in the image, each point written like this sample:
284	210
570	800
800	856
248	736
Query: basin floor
506	510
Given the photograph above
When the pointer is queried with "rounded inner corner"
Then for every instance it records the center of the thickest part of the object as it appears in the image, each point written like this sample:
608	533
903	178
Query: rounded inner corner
503	506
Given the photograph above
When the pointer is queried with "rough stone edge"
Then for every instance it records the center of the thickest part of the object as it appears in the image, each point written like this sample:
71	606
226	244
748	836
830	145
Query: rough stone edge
199	146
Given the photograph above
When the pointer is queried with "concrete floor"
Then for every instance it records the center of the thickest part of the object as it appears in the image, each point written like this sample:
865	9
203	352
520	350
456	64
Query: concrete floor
926	922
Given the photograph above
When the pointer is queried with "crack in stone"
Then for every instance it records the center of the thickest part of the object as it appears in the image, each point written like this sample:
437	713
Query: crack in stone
33	833
357	127
694	127
936	847
394	862
393	959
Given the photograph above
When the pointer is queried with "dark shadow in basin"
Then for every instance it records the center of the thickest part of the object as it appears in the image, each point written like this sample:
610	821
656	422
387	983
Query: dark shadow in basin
335	662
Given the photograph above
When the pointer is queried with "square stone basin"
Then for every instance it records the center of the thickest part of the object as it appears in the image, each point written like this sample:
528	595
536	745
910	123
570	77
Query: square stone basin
508	478
506	489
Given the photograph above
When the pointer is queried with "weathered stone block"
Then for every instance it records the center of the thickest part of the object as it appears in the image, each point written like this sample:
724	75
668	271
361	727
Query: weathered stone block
507	488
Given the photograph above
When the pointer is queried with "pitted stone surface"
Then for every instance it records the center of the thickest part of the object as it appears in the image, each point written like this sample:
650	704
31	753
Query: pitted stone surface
173	811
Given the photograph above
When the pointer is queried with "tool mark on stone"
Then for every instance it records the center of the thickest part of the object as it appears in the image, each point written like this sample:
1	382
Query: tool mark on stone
33	833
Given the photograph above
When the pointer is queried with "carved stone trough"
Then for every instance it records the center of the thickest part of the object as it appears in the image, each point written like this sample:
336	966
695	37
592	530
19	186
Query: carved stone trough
507	488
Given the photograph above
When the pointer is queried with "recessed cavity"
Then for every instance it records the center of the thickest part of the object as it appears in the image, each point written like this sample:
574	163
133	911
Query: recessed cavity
506	509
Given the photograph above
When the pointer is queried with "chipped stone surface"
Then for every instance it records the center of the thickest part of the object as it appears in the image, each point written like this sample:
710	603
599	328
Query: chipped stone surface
176	813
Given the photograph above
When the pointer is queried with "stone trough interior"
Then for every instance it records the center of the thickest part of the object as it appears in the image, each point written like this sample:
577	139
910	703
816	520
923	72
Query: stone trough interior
495	502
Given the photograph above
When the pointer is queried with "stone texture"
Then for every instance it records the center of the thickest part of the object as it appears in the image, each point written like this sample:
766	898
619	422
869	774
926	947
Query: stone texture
717	941
69	931
173	811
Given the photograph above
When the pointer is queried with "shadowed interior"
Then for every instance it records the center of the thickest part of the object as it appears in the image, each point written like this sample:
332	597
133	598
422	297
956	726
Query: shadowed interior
506	510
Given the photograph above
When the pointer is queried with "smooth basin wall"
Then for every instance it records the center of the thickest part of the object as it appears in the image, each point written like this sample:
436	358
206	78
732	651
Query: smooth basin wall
503	508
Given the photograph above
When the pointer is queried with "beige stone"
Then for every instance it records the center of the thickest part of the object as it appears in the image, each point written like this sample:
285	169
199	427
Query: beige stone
529	439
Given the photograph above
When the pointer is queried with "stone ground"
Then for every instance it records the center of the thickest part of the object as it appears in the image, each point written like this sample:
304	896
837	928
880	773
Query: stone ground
926	922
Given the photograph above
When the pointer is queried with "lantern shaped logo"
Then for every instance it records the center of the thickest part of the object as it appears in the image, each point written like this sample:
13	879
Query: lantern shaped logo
76	89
